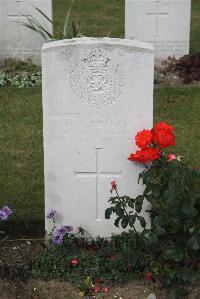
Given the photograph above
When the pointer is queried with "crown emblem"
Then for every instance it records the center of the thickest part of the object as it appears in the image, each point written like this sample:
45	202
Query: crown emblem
96	59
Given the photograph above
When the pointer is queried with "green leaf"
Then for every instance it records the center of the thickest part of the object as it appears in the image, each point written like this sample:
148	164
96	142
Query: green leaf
138	203
124	221
131	220
119	211
142	221
108	213
117	220
193	243
174	254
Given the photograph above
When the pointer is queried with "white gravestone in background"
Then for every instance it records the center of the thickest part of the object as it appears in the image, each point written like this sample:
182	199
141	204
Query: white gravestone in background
164	23
17	41
97	93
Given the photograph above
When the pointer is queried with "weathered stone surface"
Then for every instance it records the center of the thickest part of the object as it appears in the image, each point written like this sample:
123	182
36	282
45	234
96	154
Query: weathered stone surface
97	93
17	41
164	23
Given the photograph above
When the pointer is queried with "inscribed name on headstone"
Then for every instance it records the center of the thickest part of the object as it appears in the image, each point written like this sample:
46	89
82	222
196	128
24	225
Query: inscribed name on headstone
97	93
164	23
17	41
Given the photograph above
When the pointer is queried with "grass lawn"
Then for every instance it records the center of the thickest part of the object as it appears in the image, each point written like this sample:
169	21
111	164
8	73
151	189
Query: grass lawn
97	17
21	153
195	27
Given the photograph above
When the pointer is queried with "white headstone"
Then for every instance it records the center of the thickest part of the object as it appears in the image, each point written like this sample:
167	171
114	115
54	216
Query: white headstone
17	41
97	93
164	23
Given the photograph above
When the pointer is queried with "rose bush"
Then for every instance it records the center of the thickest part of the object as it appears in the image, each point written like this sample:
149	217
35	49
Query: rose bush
173	189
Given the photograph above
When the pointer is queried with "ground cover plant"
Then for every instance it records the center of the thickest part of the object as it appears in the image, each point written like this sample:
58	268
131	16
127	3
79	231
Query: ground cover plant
16	73
76	259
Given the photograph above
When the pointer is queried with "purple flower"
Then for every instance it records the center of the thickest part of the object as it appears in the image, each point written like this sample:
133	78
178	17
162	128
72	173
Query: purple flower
57	240
51	214
68	228
60	233
5	212
63	230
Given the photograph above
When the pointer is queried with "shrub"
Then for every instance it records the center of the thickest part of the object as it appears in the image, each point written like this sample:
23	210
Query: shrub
173	189
187	67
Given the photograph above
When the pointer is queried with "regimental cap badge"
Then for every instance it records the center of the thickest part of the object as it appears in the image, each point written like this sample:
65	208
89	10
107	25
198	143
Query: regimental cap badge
96	59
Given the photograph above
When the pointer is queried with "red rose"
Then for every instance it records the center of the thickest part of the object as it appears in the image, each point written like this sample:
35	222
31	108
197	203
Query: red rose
144	138
113	186
171	157
163	125
74	262
97	289
149	276
105	289
164	138
145	155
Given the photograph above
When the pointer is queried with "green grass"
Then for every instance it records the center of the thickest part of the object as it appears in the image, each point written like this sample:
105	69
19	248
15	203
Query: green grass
98	17
21	153
21	156
195	27
107	17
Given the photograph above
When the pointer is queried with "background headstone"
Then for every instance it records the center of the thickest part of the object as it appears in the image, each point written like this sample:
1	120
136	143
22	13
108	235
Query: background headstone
164	23
97	93
17	41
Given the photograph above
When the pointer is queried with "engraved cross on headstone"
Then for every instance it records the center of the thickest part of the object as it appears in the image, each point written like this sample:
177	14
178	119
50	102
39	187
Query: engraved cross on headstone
97	174
158	13
17	18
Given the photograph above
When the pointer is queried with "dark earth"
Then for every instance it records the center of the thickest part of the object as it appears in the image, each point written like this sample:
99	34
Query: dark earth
15	256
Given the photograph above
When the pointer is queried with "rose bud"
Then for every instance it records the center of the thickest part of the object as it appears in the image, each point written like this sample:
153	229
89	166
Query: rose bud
106	290
74	262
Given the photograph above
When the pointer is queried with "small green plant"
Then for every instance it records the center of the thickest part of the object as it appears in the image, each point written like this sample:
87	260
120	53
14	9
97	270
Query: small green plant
24	79
71	257
70	30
